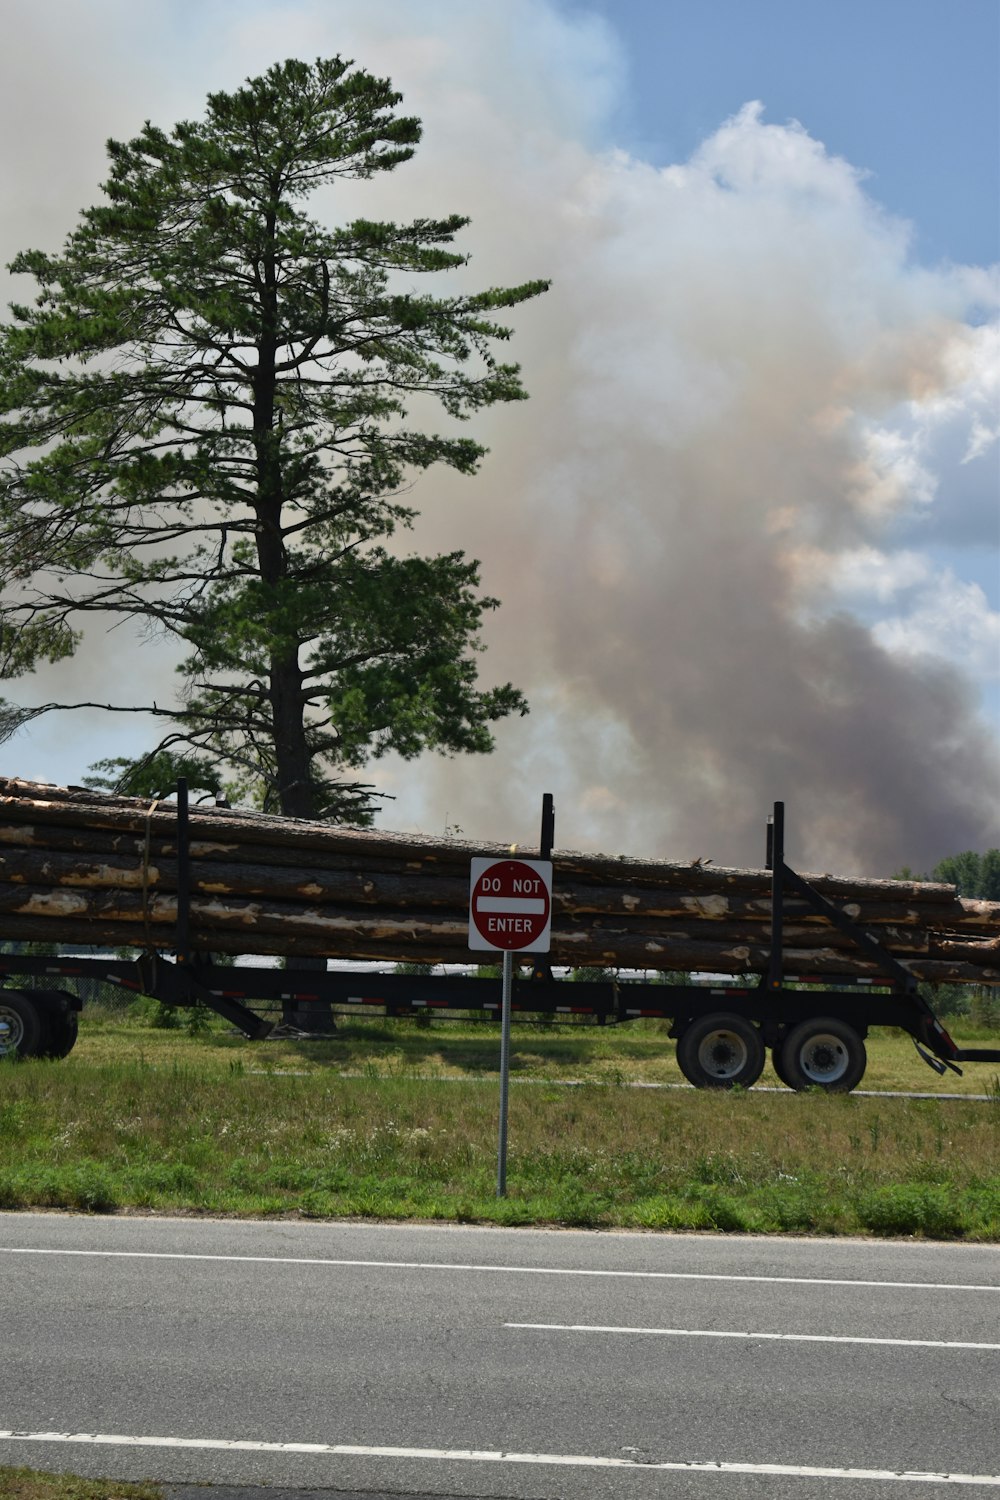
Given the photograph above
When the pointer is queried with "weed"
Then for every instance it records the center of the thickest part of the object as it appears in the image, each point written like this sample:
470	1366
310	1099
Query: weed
912	1209
29	1484
161	1119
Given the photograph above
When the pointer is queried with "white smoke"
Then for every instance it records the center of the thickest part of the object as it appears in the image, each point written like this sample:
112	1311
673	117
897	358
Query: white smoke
721	526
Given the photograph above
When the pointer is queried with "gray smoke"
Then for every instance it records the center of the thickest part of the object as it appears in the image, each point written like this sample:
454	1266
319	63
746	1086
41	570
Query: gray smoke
743	393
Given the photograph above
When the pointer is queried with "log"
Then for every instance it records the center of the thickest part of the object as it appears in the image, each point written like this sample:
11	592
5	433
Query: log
101	890
125	919
152	908
122	872
571	895
75	807
34	866
97	870
740	960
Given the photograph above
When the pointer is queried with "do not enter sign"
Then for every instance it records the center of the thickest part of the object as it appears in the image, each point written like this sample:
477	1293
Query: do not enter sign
510	904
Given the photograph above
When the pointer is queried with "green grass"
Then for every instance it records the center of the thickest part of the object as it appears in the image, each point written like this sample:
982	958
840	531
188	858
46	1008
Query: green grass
640	1052
160	1121
27	1484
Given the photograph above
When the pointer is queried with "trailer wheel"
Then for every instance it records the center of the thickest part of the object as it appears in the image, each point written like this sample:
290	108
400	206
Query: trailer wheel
60	1028
779	1068
20	1026
64	1039
720	1051
823	1053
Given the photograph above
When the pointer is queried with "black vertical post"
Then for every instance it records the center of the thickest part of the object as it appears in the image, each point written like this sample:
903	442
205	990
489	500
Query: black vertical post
548	834
776	862
541	968
183	872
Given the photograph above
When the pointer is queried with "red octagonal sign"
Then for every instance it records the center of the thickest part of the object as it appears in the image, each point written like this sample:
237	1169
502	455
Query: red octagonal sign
510	904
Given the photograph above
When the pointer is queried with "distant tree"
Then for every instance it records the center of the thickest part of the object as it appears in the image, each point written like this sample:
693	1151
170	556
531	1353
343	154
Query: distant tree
974	875
203	430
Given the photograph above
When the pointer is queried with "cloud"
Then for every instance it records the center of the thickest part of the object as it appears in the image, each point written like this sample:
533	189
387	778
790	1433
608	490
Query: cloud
951	620
862	574
915	609
739	362
752	413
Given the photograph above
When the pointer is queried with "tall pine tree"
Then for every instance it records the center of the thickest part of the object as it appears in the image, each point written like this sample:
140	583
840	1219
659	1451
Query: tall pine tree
203	422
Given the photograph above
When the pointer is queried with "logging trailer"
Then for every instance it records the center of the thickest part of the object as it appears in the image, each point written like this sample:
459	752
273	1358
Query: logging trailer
814	1026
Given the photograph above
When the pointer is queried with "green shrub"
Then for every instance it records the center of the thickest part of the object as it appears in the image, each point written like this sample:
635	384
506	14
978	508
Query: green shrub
913	1210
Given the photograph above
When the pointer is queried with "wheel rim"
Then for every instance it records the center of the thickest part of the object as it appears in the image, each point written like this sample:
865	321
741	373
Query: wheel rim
11	1030
824	1059
723	1054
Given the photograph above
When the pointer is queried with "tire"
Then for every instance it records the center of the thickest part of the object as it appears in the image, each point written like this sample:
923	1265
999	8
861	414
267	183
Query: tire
721	1051
779	1068
823	1053
60	1028
21	1030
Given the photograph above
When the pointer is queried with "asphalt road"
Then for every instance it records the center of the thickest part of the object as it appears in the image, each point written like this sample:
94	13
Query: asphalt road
378	1359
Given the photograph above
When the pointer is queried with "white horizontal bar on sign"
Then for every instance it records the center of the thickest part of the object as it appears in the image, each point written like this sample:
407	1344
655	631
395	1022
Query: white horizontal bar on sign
513	906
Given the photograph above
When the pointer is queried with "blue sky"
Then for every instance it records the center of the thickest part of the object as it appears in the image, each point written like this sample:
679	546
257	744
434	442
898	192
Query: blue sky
746	531
907	89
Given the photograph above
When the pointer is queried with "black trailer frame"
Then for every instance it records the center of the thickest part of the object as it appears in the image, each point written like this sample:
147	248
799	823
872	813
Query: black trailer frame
712	1021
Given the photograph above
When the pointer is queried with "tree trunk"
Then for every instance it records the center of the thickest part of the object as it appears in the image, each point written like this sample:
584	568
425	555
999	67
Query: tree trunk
291	751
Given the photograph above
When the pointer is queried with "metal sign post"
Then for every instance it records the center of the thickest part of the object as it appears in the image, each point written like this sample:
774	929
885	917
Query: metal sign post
510	910
508	984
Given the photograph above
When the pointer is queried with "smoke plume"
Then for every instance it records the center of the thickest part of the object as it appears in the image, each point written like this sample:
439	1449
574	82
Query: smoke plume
717	526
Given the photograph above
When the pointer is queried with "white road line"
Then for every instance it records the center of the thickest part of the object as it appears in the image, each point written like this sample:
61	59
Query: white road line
496	1270
497	1456
747	1333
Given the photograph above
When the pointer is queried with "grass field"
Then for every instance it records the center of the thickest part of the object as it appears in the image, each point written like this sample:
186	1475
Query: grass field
639	1052
398	1120
28	1484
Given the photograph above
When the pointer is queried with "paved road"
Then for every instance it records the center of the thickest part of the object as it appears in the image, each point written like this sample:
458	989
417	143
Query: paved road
439	1361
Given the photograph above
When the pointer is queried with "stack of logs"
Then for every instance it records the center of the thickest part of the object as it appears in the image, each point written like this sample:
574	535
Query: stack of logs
81	867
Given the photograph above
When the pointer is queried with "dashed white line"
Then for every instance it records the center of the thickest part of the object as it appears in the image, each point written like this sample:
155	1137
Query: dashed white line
498	1456
498	1270
749	1333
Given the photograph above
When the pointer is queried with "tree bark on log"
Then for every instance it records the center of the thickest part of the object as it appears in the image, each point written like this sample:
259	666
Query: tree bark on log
576	950
79	867
230	831
420	890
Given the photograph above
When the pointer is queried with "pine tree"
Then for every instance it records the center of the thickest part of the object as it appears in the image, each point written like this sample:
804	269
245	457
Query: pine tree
203	422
